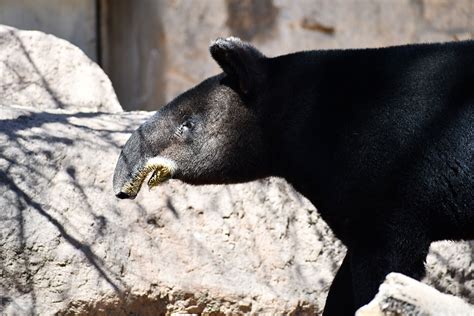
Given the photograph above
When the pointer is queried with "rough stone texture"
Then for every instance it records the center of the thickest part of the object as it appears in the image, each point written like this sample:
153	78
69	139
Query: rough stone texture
168	50
450	267
69	247
44	72
401	295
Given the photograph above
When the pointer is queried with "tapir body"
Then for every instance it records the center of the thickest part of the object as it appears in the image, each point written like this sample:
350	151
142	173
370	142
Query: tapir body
381	141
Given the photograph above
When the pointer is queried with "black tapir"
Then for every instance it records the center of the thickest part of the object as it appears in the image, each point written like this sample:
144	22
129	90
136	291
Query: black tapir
381	141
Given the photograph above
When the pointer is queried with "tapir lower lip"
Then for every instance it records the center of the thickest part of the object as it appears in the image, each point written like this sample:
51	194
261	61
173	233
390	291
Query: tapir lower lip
124	195
161	169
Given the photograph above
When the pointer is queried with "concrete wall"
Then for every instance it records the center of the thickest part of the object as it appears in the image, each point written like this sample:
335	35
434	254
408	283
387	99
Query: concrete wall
155	49
134	52
73	20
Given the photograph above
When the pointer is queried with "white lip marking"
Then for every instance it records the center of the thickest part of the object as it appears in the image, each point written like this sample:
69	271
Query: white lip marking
161	168
162	161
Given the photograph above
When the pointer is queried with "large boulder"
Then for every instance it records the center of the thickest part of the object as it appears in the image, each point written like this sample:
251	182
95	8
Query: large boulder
68	246
44	72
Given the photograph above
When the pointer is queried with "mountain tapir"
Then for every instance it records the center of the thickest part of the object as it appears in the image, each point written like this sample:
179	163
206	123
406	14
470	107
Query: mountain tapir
381	141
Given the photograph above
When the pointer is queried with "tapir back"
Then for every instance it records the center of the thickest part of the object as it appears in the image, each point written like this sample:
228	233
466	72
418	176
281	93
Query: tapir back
389	128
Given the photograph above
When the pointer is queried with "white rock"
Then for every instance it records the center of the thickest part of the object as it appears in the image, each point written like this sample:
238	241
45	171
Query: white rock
44	72
401	295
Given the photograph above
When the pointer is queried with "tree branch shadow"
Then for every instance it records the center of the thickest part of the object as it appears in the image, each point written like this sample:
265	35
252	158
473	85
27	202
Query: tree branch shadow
54	96
21	164
85	249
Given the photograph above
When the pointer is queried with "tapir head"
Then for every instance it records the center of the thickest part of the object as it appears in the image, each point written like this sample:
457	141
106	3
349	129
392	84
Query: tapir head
211	134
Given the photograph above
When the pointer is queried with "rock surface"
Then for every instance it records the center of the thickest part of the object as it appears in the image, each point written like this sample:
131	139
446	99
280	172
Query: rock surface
44	72
69	247
401	295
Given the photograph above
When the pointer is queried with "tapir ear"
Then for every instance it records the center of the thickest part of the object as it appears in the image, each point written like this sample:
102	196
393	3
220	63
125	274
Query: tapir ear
239	60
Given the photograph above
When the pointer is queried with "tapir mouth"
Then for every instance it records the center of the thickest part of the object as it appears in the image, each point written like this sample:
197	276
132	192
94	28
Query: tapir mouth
161	169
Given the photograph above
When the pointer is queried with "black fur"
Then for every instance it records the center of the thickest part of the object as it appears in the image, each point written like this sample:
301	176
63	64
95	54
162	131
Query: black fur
381	141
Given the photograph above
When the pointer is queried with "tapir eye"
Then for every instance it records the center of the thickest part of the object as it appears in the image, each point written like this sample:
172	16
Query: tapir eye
185	127
189	124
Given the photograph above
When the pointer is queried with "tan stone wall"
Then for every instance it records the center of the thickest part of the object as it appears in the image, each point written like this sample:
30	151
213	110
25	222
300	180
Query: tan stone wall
73	20
155	49
163	46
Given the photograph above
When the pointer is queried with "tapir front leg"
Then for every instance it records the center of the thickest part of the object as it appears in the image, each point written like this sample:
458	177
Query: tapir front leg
370	264
340	300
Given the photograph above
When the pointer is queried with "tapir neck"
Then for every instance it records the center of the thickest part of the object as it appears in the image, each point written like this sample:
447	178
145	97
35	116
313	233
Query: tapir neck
294	121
